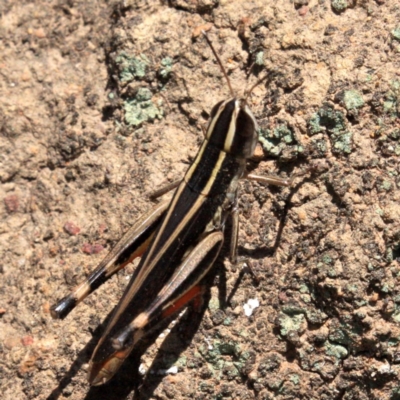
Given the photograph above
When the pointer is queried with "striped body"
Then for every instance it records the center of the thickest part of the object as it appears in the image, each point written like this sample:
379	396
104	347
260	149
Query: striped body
199	206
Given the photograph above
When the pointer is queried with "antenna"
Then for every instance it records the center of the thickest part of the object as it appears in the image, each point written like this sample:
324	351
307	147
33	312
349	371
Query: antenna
219	62
265	77
248	92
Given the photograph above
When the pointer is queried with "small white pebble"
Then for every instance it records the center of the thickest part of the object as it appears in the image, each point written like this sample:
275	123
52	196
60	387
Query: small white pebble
250	306
173	370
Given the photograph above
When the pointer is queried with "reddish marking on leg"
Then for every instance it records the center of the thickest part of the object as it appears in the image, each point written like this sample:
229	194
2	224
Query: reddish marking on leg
198	300
194	292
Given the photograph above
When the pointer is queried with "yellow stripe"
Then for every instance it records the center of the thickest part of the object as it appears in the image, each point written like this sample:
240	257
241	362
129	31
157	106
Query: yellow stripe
193	167
232	128
193	210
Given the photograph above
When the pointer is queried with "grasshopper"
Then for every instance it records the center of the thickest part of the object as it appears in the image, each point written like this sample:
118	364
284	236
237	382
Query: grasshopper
178	240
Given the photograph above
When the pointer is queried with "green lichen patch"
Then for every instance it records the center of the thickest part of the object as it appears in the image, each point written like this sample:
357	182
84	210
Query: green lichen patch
396	316
181	362
131	67
316	317
391	103
396	33
292	319
352	99
339	5
224	358
303	288
280	142
334	123
342	142
295	378
335	350
141	108
328	119
228	348
166	69
219	348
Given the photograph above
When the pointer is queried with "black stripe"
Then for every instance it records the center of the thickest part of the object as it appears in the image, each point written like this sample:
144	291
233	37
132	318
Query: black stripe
245	135
206	165
221	127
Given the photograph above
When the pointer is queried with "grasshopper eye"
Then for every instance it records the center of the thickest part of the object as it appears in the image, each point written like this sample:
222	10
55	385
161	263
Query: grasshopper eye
245	137
245	124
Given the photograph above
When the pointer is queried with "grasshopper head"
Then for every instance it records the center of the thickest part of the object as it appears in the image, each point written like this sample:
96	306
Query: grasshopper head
233	128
